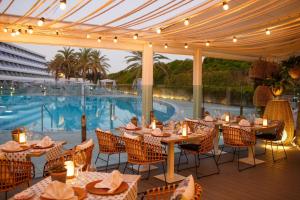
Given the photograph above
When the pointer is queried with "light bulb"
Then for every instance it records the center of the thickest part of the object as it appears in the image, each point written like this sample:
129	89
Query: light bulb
158	31
225	5
88	36
56	32
41	21
115	39
63	4
30	30
135	37
207	43
5	30
268	32
166	46
13	33
234	39
186	22
18	32
99	39
150	44
186	45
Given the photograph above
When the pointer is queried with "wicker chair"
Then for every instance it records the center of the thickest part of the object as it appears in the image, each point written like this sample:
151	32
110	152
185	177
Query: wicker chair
142	153
14	173
166	192
237	138
88	154
276	137
109	144
204	146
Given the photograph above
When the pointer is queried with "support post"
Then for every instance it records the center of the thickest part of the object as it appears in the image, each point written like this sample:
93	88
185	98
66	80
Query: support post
147	82
197	84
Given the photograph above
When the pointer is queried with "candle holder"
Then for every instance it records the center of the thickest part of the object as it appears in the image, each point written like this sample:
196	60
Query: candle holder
19	135
184	130
70	167
265	122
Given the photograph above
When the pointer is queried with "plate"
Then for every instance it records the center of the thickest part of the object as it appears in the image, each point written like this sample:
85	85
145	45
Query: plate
163	135
38	147
90	187
80	193
133	129
23	148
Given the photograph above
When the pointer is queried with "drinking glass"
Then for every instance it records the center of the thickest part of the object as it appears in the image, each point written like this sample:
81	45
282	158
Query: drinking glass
80	159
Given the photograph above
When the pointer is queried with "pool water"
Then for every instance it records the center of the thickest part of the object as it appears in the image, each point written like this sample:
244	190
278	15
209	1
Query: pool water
64	112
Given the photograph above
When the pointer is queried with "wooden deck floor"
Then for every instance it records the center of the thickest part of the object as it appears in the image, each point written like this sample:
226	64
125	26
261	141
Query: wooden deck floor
280	180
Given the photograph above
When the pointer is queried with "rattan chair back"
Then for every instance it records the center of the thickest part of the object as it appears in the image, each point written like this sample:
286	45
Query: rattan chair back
237	137
207	141
109	143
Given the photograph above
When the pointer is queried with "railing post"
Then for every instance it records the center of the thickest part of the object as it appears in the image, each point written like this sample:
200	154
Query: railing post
83	128
42	118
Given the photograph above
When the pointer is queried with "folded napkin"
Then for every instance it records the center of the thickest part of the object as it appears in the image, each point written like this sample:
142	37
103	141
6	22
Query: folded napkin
59	191
157	132
208	118
45	142
171	124
244	122
223	117
112	182
26	194
258	121
11	146
130	126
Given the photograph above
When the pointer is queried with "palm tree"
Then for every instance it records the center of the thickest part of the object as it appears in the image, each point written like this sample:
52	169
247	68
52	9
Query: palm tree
68	56
55	65
84	61
98	65
134	62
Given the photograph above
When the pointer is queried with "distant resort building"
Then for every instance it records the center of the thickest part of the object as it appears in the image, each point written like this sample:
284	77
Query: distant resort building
18	64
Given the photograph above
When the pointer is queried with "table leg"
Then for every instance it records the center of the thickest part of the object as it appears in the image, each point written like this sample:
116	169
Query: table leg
170	175
249	159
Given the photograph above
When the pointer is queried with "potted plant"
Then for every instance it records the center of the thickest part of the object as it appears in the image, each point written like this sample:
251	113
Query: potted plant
292	65
58	173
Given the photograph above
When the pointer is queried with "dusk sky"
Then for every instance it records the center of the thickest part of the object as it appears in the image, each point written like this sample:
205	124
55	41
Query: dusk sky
116	58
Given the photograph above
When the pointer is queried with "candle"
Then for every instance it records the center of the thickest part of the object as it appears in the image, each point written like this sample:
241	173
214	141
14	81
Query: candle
69	165
227	118
265	122
22	138
153	125
184	130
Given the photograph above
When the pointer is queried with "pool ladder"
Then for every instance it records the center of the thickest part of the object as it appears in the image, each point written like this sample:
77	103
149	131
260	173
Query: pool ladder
44	108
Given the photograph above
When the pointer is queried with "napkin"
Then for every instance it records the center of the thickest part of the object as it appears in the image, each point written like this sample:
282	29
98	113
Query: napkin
208	118
223	117
244	122
11	146
130	126
26	194
59	191
157	132
112	182
45	142
258	121
171	124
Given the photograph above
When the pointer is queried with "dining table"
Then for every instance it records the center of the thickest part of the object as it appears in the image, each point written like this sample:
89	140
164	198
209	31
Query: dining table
83	178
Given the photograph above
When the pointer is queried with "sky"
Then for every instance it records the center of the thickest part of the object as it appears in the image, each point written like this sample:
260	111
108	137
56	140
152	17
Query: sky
116	57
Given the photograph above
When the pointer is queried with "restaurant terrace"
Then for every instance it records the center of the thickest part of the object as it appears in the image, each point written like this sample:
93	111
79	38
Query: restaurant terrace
147	157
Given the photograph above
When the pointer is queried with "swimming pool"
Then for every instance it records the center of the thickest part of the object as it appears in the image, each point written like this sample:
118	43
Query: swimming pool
64	112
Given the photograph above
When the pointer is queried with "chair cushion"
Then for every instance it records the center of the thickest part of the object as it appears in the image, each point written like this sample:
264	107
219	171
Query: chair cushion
185	189
266	136
190	147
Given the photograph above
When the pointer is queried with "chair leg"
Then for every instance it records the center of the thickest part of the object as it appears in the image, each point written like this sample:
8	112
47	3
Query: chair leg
119	161
125	168
187	159
163	166
196	165
283	149
238	158
266	142
148	173
178	164
138	172
97	158
272	151
108	155
220	154
217	165
234	151
5	195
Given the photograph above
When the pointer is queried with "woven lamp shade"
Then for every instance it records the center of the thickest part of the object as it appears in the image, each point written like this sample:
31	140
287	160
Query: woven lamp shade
281	110
262	95
257	70
294	72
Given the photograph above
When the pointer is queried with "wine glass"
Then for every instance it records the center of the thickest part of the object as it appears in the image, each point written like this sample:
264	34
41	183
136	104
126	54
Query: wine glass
80	159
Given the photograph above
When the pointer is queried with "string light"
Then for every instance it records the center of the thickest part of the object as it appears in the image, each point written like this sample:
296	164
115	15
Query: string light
13	33
158	30
268	32
150	44
5	30
186	22
186	46
41	21
30	30
234	39
207	43
115	39
88	36
63	4
18	32
166	46
225	5
56	32
99	39
135	37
